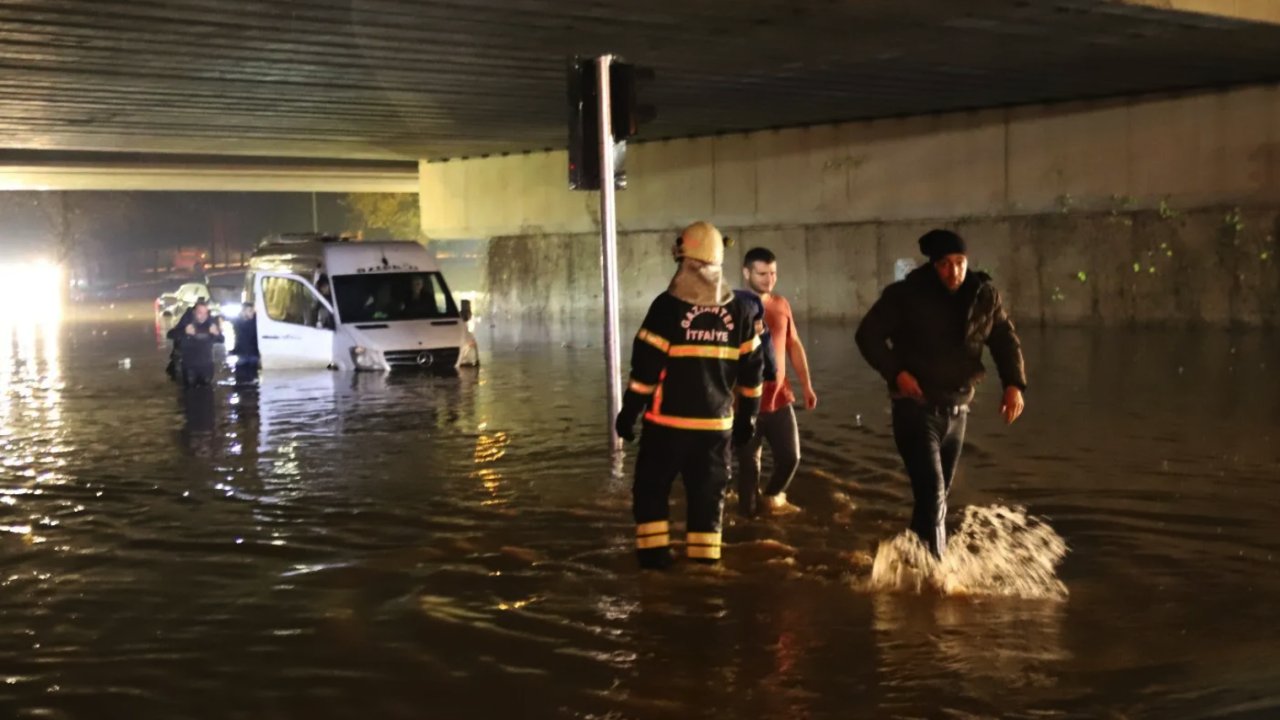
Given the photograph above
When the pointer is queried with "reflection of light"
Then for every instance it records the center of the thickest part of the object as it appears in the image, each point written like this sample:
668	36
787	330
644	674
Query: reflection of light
518	604
490	448
30	292
30	372
491	479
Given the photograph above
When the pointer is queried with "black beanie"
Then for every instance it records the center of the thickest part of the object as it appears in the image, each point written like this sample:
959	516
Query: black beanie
938	244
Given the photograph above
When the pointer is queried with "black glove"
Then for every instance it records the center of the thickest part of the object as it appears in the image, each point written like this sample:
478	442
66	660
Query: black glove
744	428
625	424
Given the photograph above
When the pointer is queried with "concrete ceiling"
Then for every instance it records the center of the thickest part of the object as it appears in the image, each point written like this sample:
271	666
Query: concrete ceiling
405	79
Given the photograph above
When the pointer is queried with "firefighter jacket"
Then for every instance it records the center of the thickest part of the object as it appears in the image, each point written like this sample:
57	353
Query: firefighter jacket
688	362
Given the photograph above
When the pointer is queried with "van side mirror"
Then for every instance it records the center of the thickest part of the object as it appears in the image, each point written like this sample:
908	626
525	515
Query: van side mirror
465	311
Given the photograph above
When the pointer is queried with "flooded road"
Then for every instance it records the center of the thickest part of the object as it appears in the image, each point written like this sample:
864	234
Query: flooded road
337	546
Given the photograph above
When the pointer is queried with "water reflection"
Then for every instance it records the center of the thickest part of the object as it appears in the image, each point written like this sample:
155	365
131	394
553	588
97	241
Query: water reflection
489	450
340	545
31	434
983	651
198	432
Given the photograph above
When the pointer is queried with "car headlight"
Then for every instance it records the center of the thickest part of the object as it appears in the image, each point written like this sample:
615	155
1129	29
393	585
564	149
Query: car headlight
364	359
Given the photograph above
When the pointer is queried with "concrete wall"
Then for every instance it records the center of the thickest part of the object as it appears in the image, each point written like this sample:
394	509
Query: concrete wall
1046	194
1215	266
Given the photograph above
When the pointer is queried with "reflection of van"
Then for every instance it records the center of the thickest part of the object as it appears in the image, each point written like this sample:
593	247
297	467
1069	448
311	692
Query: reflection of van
388	305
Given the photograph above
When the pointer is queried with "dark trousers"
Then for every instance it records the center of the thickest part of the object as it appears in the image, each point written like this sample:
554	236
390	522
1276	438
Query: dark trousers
701	459
779	429
197	361
929	440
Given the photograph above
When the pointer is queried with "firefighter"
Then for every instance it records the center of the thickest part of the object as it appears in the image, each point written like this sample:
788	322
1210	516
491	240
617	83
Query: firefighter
695	351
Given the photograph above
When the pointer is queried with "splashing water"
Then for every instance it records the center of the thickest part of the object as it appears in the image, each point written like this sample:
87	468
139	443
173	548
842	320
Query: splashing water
997	551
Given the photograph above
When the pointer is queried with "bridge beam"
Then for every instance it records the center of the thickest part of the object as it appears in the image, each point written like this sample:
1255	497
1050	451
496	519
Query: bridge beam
28	170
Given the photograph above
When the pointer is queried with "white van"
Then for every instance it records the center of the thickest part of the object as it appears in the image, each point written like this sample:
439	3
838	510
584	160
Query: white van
388	305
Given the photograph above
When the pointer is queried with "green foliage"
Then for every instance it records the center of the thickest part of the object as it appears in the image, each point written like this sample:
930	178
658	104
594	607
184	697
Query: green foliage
395	214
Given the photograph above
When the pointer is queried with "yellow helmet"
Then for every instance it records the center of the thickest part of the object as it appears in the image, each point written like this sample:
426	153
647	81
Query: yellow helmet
701	241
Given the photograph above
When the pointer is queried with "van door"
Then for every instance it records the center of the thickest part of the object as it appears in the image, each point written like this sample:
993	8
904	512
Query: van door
294	323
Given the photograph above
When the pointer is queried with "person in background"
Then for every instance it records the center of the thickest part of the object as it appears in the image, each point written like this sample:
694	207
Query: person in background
469	353
381	305
199	337
246	326
248	359
421	302
176	335
777	424
324	318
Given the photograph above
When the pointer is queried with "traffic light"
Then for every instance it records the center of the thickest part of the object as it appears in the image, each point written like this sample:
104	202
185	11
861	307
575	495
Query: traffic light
625	82
584	124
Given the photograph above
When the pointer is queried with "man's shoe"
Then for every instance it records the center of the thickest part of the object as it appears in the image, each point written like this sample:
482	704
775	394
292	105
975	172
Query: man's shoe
778	505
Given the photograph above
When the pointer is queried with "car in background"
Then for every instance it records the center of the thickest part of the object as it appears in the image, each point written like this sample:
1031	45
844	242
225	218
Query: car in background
172	305
224	293
388	306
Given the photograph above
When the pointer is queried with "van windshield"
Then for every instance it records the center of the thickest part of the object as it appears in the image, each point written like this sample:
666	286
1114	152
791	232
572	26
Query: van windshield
379	297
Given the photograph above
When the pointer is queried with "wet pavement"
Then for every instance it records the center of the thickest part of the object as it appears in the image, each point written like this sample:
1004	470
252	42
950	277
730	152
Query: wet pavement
331	545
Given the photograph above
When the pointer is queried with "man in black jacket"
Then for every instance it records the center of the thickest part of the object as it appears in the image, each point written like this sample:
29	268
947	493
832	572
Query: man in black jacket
198	338
176	335
925	337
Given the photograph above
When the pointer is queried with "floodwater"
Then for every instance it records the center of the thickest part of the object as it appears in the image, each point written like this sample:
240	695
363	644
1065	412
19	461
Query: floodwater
337	546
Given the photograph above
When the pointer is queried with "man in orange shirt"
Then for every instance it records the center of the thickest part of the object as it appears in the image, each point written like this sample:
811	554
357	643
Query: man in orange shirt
777	421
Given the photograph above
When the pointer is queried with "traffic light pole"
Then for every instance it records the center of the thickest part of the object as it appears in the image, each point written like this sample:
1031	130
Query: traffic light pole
609	248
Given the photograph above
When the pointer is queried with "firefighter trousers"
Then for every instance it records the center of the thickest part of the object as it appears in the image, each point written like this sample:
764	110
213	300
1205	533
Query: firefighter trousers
701	459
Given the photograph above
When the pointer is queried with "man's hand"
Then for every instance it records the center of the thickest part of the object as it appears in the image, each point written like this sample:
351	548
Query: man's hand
215	329
1012	406
909	387
810	399
625	425
191	330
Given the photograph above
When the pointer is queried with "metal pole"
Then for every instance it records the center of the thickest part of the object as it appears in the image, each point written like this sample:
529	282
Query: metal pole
315	217
609	248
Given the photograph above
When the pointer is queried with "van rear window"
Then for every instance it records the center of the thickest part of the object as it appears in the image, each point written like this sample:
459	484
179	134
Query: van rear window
393	296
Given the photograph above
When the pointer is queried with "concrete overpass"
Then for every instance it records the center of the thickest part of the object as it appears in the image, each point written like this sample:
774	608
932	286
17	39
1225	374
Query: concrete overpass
405	80
834	130
54	170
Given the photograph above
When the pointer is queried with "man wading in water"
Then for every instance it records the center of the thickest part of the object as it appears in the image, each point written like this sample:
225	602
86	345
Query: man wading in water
925	336
695	351
777	422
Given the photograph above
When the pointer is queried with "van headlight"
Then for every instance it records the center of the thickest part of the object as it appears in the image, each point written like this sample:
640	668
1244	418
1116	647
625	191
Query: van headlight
364	359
